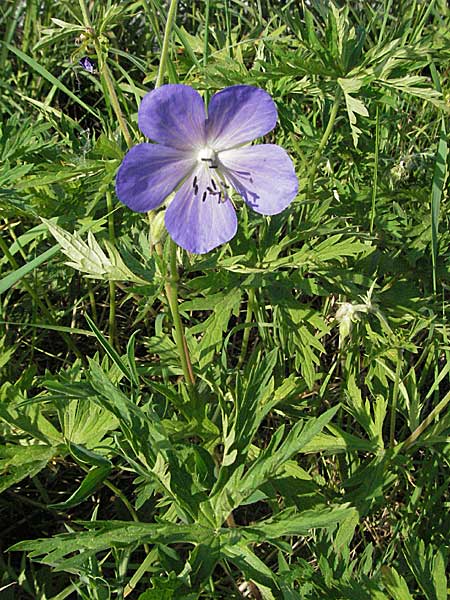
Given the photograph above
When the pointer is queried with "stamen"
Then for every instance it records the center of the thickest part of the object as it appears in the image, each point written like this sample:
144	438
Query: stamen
209	156
213	183
204	196
195	181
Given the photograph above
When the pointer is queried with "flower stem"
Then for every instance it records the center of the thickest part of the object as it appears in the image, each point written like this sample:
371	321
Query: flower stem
165	47
112	286
323	142
107	77
171	284
171	288
206	37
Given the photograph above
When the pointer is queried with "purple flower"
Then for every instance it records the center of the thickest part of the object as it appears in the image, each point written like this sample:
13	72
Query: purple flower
203	158
87	64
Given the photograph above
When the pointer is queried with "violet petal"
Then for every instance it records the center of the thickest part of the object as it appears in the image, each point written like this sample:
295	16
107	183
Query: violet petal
263	175
149	173
87	64
239	114
198	220
174	115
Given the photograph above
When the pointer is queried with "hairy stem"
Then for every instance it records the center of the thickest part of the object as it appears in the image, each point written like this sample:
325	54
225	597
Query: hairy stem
166	40
171	289
112	286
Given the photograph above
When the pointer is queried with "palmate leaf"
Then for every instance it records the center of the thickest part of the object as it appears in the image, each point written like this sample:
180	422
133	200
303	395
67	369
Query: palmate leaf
395	584
89	258
102	535
292	523
69	551
234	488
27	417
354	105
215	325
428	568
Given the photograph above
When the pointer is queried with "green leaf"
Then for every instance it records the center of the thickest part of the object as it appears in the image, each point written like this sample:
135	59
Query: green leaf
101	535
87	487
289	522
215	325
438	185
395	584
129	373
7	282
18	462
439	574
89	257
354	105
229	494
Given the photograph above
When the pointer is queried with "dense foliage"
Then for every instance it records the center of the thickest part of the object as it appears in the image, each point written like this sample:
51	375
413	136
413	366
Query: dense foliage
306	455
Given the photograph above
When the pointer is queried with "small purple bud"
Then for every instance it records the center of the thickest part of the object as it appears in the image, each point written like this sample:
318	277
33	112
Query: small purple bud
87	65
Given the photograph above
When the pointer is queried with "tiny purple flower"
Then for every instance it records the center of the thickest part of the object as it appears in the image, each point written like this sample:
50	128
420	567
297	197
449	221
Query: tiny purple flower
87	64
203	158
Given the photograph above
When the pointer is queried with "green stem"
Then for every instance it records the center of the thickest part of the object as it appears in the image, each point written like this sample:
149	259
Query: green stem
228	26
246	334
151	557
323	142
112	286
106	73
395	399
171	288
107	77
206	37
375	169
166	40
426	422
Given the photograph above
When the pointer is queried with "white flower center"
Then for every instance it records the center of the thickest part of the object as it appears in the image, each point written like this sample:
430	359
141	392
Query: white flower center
207	156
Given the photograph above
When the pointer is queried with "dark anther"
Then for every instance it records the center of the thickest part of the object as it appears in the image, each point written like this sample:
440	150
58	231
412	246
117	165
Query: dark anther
195	181
195	190
210	190
204	196
213	183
